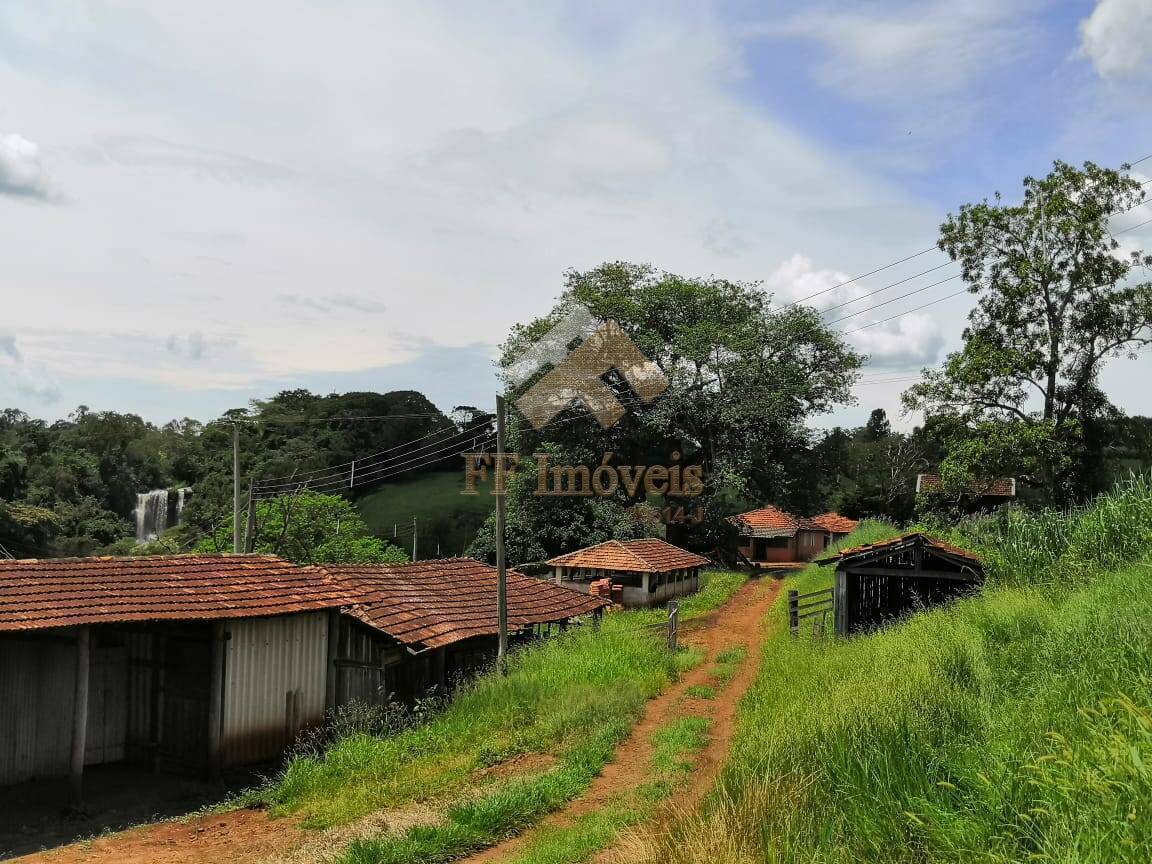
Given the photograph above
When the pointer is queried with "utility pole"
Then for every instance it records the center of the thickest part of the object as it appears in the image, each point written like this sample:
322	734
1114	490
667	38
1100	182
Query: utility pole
237	536
413	538
250	525
501	564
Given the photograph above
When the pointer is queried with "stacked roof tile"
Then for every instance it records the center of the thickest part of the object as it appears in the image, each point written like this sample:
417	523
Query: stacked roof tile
59	592
904	540
772	522
435	603
835	523
650	555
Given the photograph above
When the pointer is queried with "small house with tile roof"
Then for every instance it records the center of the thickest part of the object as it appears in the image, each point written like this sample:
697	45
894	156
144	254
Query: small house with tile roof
771	537
174	662
428	624
978	494
837	526
194	663
649	571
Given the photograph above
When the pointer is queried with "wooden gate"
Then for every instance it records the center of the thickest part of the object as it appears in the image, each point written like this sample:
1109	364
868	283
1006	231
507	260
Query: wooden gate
815	605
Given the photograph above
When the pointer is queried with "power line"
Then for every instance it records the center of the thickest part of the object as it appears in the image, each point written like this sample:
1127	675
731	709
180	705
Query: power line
885	288
895	299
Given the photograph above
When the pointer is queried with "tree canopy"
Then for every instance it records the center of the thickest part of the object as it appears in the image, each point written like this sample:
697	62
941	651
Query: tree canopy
1056	298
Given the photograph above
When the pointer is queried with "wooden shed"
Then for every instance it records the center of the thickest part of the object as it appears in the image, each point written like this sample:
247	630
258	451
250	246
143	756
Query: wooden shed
428	624
174	662
880	582
649	571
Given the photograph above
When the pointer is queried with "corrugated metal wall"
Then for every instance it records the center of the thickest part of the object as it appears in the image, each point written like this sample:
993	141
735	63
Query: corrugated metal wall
37	689
274	684
36	697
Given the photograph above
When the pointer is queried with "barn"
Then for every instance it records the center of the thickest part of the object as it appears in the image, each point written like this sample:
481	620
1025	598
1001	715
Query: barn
427	624
649	571
179	662
880	582
771	537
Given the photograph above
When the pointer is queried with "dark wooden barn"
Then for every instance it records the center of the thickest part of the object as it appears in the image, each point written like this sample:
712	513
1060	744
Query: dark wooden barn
880	582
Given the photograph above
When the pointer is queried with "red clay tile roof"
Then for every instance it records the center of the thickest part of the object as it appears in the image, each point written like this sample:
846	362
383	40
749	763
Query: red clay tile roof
650	555
772	522
929	540
436	603
59	592
1001	487
835	523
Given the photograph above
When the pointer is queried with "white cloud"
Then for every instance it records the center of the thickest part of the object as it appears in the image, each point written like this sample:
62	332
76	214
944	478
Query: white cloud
27	378
1117	38
444	163
909	341
22	171
798	279
904	52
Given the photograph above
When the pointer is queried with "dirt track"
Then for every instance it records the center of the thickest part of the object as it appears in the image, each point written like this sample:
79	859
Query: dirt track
249	837
738	622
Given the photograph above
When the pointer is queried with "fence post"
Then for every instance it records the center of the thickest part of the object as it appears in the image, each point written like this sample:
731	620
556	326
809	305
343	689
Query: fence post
794	612
673	622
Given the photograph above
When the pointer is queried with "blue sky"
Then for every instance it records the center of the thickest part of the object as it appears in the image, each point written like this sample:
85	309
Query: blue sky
204	203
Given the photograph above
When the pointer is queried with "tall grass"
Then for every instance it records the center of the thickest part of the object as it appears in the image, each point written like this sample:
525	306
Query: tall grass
1014	726
1024	547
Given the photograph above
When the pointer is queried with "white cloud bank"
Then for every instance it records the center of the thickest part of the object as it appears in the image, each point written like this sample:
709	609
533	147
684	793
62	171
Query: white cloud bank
22	171
1117	38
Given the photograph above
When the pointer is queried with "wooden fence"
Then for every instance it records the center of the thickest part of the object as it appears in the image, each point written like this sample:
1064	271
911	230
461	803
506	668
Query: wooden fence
670	627
815	605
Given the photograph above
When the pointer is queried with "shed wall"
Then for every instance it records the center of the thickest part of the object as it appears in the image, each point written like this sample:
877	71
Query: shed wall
274	684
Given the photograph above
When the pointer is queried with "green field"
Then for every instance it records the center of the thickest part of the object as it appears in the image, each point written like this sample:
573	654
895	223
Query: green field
1014	726
445	519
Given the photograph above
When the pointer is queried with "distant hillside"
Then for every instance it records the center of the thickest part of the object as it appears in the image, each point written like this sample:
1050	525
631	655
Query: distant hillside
445	519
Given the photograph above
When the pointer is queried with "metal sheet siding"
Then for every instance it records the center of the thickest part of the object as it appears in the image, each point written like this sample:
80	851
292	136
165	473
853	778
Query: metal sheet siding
36	693
274	684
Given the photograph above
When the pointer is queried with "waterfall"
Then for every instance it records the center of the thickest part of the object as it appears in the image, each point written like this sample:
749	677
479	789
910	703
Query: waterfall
157	511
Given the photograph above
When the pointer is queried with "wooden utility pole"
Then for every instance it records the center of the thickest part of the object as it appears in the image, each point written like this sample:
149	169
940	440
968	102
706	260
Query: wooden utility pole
501	564
250	523
237	536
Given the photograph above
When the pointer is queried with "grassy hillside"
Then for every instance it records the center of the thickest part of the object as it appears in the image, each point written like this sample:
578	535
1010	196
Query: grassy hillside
444	517
1016	726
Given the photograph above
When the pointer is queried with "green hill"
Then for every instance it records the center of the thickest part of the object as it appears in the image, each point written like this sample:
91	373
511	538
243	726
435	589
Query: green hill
445	519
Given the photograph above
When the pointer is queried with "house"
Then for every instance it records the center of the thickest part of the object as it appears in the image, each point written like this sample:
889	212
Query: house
879	582
649	571
175	662
194	663
979	494
837	526
429	623
771	537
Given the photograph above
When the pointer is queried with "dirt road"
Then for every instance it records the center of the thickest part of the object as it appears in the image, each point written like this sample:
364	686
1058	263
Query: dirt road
737	623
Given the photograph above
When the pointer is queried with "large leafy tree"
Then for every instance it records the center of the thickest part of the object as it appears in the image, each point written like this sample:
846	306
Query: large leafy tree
1056	298
743	379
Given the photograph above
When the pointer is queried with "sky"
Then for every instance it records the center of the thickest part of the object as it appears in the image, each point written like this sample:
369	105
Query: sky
204	203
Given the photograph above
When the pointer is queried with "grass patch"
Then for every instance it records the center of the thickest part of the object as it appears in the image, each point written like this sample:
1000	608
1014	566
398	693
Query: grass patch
674	747
1013	726
700	691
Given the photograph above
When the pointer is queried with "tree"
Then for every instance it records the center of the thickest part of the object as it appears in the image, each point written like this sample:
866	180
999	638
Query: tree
1055	301
743	377
310	528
